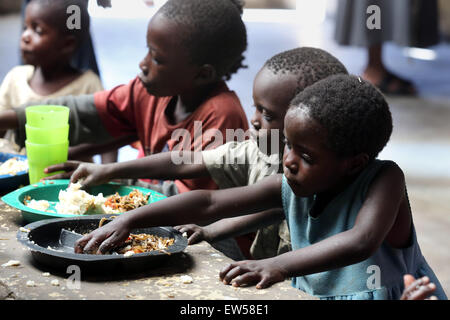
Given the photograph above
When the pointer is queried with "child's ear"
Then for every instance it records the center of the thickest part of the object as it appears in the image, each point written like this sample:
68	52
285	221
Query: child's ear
357	163
206	74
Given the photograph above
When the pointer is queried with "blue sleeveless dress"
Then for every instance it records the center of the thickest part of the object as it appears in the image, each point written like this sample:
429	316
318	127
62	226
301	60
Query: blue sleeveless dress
380	277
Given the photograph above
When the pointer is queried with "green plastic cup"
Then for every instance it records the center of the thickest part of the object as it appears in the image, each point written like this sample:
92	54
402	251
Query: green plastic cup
40	156
47	116
47	136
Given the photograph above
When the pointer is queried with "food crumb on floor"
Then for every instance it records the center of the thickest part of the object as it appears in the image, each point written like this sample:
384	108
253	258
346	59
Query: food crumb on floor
11	263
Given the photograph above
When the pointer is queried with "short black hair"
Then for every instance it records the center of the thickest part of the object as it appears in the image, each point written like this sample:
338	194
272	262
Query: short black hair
308	64
214	32
57	15
354	113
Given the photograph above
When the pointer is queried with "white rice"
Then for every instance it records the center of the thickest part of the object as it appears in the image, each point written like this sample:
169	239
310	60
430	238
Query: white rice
76	201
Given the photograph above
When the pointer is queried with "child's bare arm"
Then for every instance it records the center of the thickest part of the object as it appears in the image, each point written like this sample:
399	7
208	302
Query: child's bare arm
158	166
200	206
372	225
231	227
8	120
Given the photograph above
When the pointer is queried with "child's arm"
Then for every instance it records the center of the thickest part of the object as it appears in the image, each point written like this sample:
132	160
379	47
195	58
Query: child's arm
231	227
8	120
200	206
375	219
158	166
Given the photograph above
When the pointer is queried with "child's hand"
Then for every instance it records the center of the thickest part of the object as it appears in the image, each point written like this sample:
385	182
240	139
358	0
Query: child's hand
194	232
262	272
419	289
91	173
102	240
68	167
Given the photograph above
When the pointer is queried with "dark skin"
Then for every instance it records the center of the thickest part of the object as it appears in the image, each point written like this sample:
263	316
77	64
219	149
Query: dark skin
306	165
271	95
48	50
420	289
167	70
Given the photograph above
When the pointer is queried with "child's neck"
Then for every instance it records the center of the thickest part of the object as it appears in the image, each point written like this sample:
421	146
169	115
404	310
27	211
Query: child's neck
184	105
47	80
324	198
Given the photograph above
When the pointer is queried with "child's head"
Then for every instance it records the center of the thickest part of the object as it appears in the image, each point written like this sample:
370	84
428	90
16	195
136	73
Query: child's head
333	129
193	43
281	78
50	36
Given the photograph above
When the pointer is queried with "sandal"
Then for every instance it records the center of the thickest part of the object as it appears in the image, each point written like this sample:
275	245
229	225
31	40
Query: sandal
403	87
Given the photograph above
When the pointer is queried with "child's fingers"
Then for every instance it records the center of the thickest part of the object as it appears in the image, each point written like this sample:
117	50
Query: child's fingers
225	270
423	292
196	237
92	245
247	278
229	272
408	280
265	283
81	243
412	287
108	244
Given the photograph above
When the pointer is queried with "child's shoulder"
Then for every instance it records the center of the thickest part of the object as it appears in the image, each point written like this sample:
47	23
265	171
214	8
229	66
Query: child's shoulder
87	82
390	168
222	98
20	72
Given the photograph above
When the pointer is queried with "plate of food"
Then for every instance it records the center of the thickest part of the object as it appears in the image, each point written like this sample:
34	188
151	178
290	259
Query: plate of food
61	199
13	171
48	246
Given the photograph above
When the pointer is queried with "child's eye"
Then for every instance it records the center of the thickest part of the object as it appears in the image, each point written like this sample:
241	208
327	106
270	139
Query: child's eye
37	29
306	158
267	117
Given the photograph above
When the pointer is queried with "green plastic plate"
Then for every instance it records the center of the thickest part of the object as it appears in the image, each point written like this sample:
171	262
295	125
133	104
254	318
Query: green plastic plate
49	190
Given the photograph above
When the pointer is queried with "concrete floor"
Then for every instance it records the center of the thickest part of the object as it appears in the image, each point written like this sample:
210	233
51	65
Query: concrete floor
420	143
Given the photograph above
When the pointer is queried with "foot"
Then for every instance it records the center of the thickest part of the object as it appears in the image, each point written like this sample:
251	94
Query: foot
388	82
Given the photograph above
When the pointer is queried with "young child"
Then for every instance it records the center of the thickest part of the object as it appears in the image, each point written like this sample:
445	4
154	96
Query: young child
194	46
348	213
237	163
47	47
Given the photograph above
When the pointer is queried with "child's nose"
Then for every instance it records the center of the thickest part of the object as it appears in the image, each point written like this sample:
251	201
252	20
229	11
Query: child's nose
256	123
143	66
290	163
25	37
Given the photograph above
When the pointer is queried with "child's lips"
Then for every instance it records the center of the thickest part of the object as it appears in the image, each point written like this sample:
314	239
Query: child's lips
143	81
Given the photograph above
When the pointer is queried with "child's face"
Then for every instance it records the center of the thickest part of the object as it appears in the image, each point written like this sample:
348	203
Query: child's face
40	43
166	69
271	97
308	163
